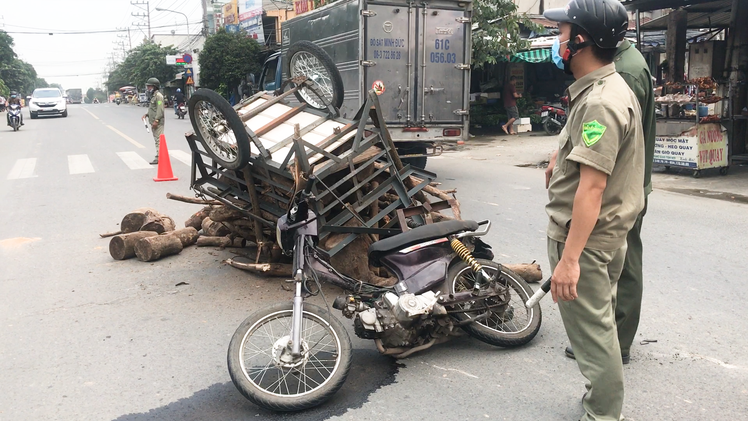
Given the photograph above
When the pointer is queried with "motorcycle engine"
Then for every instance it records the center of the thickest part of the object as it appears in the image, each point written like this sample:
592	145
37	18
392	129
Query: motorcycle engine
398	321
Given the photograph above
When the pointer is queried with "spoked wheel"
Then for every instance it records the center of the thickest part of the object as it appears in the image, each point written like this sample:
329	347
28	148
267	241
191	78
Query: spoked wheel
551	128
305	58
219	128
508	325
264	370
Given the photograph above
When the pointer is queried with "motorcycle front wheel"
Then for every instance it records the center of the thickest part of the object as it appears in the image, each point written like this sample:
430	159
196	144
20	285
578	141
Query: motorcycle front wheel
263	369
507	326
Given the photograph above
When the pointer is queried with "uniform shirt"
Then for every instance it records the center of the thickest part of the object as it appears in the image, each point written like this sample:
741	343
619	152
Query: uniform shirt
604	131
156	108
634	70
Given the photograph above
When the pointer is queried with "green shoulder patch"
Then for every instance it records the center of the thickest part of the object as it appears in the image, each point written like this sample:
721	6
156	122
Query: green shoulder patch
592	132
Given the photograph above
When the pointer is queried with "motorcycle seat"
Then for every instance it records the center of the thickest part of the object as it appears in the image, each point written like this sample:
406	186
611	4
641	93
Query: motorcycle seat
417	235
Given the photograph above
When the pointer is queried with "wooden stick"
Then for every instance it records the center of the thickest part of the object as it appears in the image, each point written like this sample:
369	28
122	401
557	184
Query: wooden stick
110	234
192	200
271	269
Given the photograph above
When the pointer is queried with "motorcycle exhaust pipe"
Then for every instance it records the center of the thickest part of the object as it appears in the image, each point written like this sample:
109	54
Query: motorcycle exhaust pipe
539	294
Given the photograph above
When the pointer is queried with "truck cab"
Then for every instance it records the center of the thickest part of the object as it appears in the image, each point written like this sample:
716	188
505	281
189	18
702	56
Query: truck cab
271	77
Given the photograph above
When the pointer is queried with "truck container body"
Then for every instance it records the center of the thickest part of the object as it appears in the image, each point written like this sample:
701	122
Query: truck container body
416	55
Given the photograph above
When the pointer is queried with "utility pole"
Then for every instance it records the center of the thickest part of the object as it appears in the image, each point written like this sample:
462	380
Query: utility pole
123	36
205	17
146	15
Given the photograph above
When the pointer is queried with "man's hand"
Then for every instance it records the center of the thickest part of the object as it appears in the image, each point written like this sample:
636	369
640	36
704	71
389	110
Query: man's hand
549	170
154	125
564	280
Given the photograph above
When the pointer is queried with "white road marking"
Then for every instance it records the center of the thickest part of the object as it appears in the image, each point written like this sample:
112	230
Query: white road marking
134	161
126	137
92	114
24	168
79	164
181	156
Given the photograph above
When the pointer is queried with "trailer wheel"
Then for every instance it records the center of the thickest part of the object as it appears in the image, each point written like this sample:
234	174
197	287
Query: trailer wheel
305	58
219	129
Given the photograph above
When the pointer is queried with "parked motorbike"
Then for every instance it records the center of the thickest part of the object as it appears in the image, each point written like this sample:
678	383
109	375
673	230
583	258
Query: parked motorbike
295	355
553	116
14	114
181	110
118	101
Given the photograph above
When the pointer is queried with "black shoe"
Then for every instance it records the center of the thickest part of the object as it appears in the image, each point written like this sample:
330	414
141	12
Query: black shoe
155	162
625	358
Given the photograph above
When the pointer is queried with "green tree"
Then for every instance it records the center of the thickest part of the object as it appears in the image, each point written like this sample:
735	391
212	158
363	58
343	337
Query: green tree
143	62
90	95
41	83
19	76
226	59
498	31
58	86
7	55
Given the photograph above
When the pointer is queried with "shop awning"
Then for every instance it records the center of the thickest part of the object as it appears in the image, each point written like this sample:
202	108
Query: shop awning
532	56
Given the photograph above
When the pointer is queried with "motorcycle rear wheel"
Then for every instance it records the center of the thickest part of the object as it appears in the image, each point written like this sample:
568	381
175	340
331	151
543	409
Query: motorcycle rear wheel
551	128
515	326
219	129
266	374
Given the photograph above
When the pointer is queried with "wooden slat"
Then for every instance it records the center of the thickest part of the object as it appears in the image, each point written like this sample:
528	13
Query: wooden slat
267	104
280	120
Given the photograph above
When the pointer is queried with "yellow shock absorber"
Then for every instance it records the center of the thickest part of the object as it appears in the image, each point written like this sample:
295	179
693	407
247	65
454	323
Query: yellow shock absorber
465	255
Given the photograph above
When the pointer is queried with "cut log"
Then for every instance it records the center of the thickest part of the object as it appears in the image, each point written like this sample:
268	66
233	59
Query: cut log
271	269
160	224
153	248
188	236
204	241
122	246
135	220
224	213
214	229
530	272
196	220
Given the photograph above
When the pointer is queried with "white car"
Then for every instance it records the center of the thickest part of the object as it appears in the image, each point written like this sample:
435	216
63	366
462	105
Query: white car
47	101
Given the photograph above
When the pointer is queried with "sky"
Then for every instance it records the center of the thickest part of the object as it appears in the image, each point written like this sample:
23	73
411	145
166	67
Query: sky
81	60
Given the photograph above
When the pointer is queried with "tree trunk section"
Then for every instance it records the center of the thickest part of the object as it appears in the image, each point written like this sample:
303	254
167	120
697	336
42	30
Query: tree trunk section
530	272
204	241
214	229
224	214
153	248
160	224
187	236
122	246
196	220
135	220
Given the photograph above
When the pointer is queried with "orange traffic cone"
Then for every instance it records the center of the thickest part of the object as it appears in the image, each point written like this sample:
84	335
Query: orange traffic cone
164	162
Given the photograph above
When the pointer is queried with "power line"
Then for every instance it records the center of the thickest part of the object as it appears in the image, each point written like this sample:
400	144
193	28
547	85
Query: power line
106	31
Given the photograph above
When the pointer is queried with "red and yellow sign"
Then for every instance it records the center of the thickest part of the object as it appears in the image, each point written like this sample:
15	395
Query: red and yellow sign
378	87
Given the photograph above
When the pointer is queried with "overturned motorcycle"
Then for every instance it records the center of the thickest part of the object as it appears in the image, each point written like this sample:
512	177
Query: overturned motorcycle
294	356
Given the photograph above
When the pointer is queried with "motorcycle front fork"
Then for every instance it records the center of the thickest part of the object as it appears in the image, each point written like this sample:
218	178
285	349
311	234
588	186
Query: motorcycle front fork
298	299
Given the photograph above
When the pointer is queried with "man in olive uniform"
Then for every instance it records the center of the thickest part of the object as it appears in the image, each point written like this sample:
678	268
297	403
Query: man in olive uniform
595	194
630	64
155	112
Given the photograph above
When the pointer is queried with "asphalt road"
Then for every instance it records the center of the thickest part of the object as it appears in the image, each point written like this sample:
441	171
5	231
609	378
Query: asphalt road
83	337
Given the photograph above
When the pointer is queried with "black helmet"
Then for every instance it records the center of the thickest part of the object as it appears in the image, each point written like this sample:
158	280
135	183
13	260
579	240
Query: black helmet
154	82
605	20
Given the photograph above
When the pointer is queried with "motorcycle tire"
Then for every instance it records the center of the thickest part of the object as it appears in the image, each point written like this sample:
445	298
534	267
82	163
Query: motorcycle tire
219	129
262	384
551	128
304	58
499	329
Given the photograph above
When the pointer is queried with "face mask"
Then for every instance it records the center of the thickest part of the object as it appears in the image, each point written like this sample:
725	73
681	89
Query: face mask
557	60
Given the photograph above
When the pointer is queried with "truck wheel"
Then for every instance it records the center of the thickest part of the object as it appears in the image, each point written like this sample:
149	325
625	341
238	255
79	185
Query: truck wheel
305	58
219	129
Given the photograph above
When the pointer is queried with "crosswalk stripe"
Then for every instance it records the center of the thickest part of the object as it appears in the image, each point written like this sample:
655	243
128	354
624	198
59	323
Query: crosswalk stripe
181	156
24	168
79	164
134	161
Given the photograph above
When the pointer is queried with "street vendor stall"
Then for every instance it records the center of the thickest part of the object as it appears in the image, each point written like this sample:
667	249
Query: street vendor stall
692	136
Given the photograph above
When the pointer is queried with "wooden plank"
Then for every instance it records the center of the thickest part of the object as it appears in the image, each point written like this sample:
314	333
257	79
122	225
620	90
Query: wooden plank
280	120
268	103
